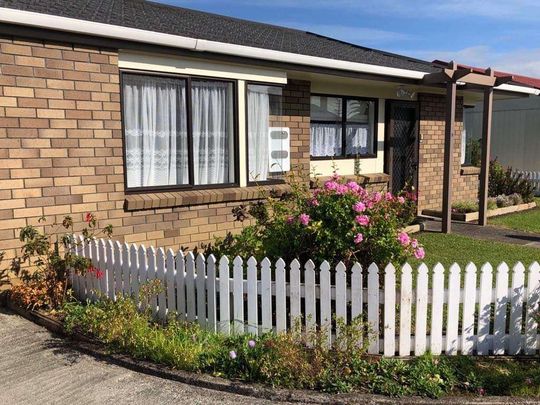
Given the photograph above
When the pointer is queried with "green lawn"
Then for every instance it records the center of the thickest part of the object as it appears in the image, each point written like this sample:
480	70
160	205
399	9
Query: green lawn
448	249
528	221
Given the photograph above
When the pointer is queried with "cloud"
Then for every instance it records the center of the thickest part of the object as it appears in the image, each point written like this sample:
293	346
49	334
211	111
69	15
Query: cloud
517	61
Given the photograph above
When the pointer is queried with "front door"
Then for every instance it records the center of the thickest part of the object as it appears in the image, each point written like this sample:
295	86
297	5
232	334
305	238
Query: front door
401	161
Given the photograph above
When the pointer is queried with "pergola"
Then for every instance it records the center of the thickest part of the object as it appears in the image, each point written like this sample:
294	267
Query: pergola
466	79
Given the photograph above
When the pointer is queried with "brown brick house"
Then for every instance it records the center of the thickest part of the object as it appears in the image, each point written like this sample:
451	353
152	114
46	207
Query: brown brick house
161	119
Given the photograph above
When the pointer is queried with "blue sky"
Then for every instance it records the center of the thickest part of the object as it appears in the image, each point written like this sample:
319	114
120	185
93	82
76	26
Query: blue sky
501	34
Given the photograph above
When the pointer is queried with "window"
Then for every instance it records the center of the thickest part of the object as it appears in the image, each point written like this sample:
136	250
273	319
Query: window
342	126
471	140
268	143
166	116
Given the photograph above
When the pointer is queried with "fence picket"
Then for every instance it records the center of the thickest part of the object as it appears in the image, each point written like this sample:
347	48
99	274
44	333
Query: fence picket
211	293
501	305
309	277
437	300
516	308
281	297
238	294
389	311
180	279
484	308
150	277
117	266
356	291
201	289
373	307
341	294
109	268
294	298
266	292
469	306
191	289
452	319
102	265
253	309
160	275
421	310
224	296
405	311
126	270
325	301
531	323
134	271
169	280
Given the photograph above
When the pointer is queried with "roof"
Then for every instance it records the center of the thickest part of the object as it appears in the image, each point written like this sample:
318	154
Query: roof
151	16
527	81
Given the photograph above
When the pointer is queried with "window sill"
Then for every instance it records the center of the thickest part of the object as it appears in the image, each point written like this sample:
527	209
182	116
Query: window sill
348	157
146	201
368	178
470	171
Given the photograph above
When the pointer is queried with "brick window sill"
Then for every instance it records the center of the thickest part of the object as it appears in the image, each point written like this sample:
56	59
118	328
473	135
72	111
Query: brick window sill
368	178
146	201
470	171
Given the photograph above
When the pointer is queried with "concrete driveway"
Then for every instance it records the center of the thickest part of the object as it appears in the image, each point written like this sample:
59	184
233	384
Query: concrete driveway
38	368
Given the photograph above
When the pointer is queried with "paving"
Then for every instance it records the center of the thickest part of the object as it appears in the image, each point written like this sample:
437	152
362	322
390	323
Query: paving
489	232
37	367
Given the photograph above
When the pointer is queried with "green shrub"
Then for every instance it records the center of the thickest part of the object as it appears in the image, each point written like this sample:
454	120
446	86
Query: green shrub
505	182
340	221
464	207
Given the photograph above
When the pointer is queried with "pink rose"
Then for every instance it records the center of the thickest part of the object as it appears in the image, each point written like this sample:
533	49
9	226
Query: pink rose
419	253
304	219
353	186
414	243
362	220
314	202
401	200
341	189
331	185
377	197
358	238
290	219
404	238
388	196
359	207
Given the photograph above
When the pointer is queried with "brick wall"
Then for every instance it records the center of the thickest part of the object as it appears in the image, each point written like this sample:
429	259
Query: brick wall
61	148
430	171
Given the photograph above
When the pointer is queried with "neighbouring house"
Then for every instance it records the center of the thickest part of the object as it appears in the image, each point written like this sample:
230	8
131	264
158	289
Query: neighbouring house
162	119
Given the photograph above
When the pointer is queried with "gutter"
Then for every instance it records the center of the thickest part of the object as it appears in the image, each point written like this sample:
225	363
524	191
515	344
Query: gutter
47	21
518	89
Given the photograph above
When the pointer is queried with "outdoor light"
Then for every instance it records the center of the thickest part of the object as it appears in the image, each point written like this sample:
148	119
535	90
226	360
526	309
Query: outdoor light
403	92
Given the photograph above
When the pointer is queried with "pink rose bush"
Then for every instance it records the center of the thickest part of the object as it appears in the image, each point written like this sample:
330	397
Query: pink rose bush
338	221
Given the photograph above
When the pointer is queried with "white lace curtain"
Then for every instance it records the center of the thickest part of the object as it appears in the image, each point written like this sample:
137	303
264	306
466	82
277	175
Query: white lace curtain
358	141
213	147
258	124
155	130
325	139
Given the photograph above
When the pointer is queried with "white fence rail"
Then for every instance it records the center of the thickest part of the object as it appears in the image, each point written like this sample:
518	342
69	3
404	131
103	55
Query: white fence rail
534	177
409	311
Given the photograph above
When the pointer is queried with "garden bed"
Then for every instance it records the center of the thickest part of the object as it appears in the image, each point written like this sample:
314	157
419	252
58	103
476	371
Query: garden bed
473	216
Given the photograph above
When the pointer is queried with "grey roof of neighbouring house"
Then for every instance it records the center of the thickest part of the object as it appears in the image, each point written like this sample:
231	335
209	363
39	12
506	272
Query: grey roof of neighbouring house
167	19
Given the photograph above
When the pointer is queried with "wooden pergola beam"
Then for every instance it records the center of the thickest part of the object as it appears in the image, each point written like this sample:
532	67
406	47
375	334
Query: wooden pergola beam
438	77
478	79
503	80
451	90
486	145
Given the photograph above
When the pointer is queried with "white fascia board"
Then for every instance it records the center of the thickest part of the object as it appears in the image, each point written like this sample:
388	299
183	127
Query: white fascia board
73	25
518	89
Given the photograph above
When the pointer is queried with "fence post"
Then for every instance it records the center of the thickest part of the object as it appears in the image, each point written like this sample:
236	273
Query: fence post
501	303
469	307
484	308
171	290
160	275
516	308
211	289
281	297
341	294
437	300
309	286
181	285
266	295
405	311
325	301
295	293
224	297
389	331
201	290
454	295
238	294
421	310
190	287
531	323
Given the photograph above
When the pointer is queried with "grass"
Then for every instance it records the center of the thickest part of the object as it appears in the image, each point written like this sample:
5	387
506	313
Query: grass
528	221
451	248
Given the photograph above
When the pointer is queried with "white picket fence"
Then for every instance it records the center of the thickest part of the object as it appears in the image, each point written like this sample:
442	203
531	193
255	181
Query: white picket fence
425	311
534	177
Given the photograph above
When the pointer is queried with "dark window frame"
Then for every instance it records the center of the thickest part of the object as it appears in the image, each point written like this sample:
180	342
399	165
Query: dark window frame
246	85
190	185
344	123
